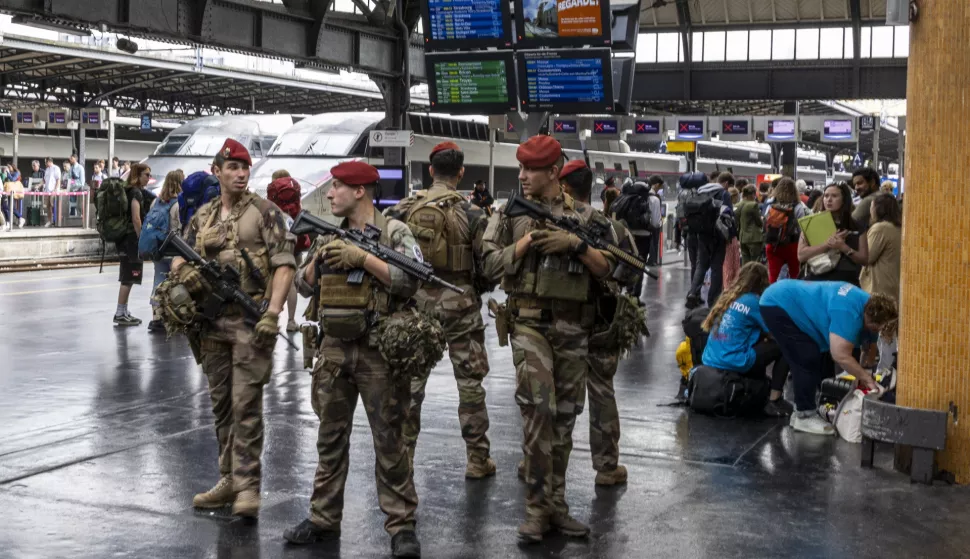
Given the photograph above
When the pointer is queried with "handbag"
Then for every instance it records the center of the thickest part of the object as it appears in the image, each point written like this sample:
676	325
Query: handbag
823	263
14	187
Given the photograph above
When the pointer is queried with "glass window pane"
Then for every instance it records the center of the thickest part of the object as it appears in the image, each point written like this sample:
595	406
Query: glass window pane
737	45
680	49
901	50
714	46
344	6
668	47
882	42
806	44
830	43
647	48
760	45
783	44
697	47
866	50
849	33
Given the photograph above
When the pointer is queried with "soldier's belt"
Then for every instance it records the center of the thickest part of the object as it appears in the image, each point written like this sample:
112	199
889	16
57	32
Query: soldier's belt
547	310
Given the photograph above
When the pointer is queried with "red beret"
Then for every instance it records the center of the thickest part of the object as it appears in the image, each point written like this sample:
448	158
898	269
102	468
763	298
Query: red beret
355	173
442	147
234	150
572	167
539	152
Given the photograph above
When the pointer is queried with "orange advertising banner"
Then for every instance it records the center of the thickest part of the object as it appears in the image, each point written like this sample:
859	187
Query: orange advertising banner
579	18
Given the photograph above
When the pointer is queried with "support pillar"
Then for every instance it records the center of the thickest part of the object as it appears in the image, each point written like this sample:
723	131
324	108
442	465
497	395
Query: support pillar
901	149
111	144
875	146
16	147
934	329
789	154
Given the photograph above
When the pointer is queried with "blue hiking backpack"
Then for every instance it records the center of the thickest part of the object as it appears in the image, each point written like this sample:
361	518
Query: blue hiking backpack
154	229
197	189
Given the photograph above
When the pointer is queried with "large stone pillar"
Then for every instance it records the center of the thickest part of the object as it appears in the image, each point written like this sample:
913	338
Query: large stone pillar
934	352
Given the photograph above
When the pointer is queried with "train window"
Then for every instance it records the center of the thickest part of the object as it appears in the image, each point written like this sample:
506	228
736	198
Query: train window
634	170
599	167
172	144
618	166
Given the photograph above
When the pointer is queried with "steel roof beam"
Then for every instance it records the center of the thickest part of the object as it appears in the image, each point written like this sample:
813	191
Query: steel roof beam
54	64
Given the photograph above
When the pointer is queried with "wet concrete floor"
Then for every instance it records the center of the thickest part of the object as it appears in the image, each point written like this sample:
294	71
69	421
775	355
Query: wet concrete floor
105	435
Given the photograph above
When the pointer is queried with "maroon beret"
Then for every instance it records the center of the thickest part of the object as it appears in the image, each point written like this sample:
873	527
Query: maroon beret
443	146
539	152
355	173
572	167
236	151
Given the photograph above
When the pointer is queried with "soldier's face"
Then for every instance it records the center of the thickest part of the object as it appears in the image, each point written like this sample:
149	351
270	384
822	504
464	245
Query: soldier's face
233	176
538	182
344	198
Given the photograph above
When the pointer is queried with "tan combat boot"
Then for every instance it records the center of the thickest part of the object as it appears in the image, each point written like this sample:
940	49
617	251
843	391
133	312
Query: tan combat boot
247	504
569	526
219	496
532	530
479	467
617	476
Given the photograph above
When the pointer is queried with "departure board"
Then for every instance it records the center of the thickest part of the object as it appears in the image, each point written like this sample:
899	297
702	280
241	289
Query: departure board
472	83
458	24
566	81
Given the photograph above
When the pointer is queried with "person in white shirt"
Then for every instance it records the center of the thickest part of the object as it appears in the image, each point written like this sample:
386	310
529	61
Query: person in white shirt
77	171
115	170
52	181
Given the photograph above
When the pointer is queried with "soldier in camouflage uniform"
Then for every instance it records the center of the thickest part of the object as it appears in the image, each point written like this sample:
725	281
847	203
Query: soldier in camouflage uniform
449	230
350	365
547	274
236	358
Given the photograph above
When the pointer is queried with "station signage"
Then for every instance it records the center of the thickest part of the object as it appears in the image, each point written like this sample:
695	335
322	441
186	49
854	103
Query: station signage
651	127
681	147
560	126
689	129
735	127
838	130
606	127
57	117
25	117
781	130
867	123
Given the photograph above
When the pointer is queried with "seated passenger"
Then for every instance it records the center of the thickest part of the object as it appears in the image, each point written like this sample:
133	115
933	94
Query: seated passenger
737	336
809	319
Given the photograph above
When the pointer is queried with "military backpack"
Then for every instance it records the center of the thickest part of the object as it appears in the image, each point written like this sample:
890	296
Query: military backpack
441	229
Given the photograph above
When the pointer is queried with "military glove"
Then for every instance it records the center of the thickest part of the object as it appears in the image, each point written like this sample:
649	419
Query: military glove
555	242
191	278
266	330
341	255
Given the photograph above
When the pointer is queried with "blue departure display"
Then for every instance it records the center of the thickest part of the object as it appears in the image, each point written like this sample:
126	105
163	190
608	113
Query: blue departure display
465	20
566	80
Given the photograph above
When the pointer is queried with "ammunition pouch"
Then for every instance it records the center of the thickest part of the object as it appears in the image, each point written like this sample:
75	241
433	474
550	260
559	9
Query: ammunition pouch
311	335
345	324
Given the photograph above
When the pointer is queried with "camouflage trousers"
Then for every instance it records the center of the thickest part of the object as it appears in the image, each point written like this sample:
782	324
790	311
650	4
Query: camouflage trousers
465	332
344	371
604	419
237	371
550	385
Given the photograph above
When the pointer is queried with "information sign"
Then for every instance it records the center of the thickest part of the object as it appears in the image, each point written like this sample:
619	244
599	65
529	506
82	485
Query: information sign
690	129
472	83
838	130
458	24
566	81
606	127
781	130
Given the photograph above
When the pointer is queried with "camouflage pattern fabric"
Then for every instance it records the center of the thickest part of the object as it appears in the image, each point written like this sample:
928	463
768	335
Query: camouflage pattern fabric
344	370
550	387
237	371
604	418
411	342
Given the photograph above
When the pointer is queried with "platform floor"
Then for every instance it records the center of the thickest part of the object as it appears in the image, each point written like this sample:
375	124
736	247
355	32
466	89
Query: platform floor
105	435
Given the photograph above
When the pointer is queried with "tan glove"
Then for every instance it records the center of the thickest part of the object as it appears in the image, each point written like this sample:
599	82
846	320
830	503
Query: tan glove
266	330
341	255
555	242
191	278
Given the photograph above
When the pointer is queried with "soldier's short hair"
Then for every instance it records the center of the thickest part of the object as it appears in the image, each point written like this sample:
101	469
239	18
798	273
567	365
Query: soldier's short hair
448	163
219	160
580	183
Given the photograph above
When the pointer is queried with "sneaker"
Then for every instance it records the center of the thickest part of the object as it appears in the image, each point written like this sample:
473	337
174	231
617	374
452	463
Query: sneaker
810	422
155	326
405	544
292	326
615	477
246	504
126	320
569	526
219	496
532	530
779	408
48	224
307	532
479	468
21	223
693	301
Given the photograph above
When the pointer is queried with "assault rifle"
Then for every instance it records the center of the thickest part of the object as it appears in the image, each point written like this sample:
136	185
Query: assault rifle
368	241
595	234
224	282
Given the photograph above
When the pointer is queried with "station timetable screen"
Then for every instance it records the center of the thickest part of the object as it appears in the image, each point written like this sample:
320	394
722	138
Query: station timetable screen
472	83
781	130
571	81
838	130
563	23
457	24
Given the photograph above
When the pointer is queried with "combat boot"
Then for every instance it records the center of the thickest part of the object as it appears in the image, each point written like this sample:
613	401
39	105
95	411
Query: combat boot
533	529
615	477
219	496
479	467
569	526
405	544
247	504
307	532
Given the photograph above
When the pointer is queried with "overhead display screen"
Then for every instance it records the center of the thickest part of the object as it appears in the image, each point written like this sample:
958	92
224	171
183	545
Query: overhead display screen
565	126
690	129
566	81
562	23
781	130
835	130
606	127
646	127
57	118
735	127
472	83
457	24
25	118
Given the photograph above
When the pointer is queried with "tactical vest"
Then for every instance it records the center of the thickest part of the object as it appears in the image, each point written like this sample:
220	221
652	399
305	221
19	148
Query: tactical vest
349	311
556	276
223	240
440	227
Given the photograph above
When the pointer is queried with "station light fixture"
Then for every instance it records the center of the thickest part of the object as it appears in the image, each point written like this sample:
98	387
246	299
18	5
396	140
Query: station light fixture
127	45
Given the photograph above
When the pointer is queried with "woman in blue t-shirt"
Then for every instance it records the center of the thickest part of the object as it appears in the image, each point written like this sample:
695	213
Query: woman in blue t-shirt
810	319
737	340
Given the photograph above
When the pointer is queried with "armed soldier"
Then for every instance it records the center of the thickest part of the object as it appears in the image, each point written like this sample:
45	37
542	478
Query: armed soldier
350	363
449	231
619	324
237	229
547	275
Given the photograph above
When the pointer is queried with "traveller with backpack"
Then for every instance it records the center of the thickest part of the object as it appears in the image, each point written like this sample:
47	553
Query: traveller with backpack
162	219
782	230
737	354
633	207
707	217
285	192
121	209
